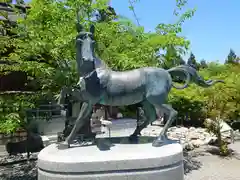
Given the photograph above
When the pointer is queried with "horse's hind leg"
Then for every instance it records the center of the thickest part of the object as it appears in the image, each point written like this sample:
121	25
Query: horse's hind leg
171	117
150	113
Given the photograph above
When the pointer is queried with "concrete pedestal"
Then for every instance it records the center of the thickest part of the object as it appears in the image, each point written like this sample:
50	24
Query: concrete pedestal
121	162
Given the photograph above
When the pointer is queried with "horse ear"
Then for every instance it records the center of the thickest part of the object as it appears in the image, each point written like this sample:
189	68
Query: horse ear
92	28
79	27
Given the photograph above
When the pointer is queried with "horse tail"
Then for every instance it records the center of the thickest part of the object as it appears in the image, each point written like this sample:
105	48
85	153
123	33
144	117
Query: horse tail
197	78
179	70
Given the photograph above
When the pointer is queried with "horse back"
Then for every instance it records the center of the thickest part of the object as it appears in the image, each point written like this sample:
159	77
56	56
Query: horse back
126	81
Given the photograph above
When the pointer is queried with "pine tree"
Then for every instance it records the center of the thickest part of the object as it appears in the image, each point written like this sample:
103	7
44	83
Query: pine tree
105	15
192	61
203	64
231	58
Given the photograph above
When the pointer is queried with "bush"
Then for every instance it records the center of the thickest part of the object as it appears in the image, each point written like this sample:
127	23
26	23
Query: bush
190	112
13	110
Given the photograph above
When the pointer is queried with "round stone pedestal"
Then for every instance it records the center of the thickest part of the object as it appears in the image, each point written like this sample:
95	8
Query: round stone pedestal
120	162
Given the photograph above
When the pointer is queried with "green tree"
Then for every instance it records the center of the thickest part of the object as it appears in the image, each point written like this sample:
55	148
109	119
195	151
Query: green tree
192	61
231	58
45	49
7	1
12	104
203	64
105	15
20	2
171	58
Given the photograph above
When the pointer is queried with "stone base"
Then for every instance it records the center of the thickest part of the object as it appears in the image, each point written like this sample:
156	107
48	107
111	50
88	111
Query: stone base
120	162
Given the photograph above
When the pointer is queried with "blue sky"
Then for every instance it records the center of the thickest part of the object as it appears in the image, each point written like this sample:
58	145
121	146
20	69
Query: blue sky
212	31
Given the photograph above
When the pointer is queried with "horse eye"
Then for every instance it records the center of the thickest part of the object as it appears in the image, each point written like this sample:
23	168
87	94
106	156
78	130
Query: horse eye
82	36
90	35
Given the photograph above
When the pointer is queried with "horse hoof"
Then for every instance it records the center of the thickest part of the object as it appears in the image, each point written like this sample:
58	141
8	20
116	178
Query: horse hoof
157	143
160	141
133	138
63	145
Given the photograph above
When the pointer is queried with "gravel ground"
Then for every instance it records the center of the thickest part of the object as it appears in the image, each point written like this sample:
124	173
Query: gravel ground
207	166
17	168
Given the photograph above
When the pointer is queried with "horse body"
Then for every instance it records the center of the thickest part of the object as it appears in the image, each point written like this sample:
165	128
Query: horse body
129	87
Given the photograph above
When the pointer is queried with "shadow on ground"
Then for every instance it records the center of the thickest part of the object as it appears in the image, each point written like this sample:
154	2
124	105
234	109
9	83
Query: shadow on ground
213	150
105	144
190	163
127	140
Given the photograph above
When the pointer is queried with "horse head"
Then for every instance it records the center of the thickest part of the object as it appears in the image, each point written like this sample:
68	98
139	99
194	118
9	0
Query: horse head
86	42
85	50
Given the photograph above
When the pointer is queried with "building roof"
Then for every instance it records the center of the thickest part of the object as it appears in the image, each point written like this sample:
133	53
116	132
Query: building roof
12	16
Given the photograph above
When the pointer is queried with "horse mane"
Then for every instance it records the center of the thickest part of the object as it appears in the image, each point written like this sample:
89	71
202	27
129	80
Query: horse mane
100	63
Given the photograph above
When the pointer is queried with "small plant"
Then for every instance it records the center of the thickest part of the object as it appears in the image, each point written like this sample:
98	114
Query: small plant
215	128
218	108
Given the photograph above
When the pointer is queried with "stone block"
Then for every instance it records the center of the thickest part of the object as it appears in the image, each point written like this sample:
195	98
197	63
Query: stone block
120	162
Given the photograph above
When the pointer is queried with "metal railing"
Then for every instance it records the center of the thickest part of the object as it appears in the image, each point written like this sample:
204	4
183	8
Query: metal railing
44	113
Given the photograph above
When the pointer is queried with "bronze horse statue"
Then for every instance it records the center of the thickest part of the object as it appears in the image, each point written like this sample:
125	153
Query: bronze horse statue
149	86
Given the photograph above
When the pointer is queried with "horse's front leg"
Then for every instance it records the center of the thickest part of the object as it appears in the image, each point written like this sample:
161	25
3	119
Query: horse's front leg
85	111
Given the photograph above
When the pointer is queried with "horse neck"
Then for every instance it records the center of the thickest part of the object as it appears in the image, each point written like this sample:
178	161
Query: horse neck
99	63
